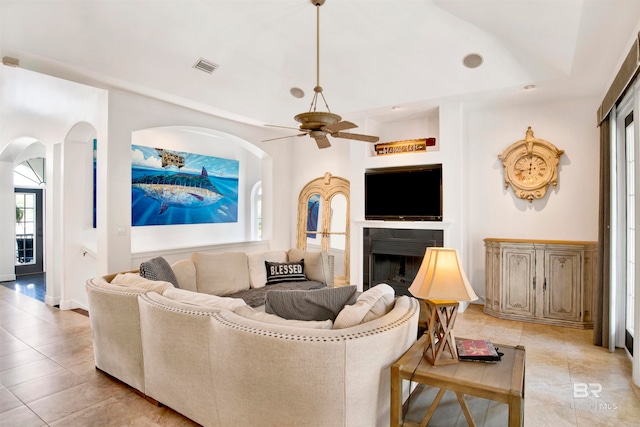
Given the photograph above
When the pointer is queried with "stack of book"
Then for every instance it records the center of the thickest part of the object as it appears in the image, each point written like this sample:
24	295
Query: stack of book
477	351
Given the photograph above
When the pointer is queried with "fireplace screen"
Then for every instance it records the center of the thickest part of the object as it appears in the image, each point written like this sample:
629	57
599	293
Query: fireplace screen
393	256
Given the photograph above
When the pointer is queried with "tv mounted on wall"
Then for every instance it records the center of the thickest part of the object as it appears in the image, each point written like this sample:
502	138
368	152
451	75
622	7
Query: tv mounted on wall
407	194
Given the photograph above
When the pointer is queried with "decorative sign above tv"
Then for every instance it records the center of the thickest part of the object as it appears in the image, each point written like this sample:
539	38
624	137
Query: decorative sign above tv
172	187
405	194
404	147
530	165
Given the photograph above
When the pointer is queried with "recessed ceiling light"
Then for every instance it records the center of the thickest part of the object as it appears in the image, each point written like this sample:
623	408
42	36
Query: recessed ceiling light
396	107
296	92
472	60
529	87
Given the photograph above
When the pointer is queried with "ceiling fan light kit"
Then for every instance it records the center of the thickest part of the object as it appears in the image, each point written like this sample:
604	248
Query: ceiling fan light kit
319	124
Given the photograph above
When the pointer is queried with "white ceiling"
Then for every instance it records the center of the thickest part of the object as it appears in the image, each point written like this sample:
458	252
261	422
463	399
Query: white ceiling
375	54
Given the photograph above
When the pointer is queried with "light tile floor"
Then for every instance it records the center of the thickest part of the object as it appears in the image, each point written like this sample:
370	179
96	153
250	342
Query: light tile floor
47	375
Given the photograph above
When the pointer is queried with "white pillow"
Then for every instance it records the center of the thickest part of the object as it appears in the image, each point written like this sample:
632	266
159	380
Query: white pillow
257	269
203	300
261	316
133	280
185	271
370	305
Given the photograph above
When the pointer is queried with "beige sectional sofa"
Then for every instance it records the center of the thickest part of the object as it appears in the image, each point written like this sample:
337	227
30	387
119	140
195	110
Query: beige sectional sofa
220	362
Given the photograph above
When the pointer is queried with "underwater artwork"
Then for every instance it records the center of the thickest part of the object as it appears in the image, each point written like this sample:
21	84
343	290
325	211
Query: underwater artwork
173	187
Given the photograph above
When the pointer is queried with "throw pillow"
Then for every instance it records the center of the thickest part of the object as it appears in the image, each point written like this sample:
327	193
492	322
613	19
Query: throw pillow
317	304
278	272
371	304
257	272
261	316
316	264
158	269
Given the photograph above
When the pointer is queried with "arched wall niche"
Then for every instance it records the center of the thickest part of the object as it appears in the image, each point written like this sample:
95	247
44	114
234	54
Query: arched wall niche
208	142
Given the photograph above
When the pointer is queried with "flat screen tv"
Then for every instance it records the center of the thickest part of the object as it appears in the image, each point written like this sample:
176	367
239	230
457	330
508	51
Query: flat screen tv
409	194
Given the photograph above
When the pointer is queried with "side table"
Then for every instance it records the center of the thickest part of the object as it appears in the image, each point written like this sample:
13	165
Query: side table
501	382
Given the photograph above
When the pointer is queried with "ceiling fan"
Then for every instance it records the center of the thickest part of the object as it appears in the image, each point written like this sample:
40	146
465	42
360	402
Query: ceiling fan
319	124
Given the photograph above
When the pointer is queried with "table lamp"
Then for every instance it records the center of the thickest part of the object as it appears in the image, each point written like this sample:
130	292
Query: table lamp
441	283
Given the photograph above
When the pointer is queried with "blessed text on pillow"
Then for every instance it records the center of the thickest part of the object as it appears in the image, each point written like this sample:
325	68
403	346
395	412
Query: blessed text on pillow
278	272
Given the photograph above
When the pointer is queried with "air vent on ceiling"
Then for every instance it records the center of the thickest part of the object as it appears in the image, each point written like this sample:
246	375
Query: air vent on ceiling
206	66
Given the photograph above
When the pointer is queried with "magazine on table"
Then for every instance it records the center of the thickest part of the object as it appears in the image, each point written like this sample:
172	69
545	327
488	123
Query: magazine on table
477	351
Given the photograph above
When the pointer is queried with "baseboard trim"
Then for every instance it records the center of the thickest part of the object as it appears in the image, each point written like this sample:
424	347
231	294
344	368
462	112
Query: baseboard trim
7	278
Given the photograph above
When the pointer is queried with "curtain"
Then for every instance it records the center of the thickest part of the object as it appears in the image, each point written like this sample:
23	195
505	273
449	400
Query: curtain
623	80
602	288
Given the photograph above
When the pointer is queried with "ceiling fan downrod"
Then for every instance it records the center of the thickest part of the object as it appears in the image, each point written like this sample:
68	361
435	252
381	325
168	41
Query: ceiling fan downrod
318	89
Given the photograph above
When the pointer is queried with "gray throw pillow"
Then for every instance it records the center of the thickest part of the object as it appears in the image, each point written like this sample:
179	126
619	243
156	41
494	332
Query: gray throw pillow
158	269
317	304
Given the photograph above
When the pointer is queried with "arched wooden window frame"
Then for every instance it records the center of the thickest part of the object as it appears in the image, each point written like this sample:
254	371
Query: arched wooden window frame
327	187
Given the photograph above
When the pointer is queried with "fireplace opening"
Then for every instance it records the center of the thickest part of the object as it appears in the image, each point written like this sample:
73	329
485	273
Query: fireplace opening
393	256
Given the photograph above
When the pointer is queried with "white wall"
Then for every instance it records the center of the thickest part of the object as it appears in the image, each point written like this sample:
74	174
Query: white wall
568	212
308	163
36	108
130	113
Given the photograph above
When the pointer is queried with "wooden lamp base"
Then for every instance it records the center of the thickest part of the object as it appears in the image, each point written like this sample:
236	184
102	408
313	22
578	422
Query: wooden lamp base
440	347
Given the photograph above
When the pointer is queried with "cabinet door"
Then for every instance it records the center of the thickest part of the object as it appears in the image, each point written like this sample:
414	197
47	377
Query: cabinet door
563	281
518	272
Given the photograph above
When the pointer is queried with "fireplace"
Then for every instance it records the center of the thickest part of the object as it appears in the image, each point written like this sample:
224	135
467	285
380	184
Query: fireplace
393	256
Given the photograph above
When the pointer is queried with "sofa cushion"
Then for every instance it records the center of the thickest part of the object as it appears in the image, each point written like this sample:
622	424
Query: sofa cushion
278	272
158	269
370	305
185	271
203	300
257	270
318	304
133	280
261	316
316	264
221	273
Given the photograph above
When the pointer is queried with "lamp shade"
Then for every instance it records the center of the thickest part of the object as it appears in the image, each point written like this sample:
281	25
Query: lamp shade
441	277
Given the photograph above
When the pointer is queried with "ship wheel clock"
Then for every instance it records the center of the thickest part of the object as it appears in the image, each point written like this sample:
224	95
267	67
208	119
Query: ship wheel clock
530	165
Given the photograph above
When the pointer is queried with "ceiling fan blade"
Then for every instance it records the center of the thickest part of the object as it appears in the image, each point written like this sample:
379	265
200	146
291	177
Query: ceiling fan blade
283	137
282	127
322	141
339	126
356	136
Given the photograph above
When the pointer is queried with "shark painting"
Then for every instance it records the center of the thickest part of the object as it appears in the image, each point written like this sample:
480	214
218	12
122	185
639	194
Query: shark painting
181	190
173	187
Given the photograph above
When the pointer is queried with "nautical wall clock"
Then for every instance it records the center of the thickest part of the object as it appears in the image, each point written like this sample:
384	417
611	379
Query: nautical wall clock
530	165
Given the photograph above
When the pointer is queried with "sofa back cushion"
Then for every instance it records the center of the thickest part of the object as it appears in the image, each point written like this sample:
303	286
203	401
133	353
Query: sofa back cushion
371	304
221	273
133	280
185	271
316	264
203	300
257	269
261	316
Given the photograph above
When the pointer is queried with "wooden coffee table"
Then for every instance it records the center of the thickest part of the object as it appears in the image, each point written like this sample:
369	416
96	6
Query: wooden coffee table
501	382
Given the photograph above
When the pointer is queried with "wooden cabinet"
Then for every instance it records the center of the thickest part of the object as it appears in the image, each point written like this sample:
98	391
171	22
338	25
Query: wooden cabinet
540	281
